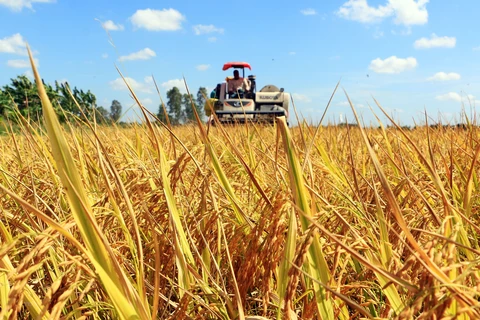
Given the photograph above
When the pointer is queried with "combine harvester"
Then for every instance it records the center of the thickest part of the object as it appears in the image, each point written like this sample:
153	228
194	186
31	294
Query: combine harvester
239	105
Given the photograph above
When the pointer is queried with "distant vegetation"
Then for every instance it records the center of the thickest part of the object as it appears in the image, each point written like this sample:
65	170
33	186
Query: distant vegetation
22	94
406	127
179	107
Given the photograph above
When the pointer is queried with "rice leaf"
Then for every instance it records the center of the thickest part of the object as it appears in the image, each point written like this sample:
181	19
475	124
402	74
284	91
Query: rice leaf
120	290
432	267
287	259
316	266
183	254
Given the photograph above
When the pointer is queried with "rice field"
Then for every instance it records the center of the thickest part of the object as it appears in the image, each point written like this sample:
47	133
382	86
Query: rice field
246	222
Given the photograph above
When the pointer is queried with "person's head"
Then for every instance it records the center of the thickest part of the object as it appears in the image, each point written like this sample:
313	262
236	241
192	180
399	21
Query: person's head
236	74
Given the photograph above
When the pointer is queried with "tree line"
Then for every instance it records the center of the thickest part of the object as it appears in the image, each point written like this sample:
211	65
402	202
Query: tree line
179	106
22	94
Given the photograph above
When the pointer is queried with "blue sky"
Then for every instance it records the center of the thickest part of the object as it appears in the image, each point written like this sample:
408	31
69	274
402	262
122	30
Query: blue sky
410	55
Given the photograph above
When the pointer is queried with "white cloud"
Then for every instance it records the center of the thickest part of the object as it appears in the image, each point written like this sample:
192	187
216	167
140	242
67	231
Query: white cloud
179	83
143	54
204	29
22	63
301	97
435	42
148	79
111	26
393	65
212	39
476	49
359	10
453	96
343	104
292	53
146	101
202	67
442	76
449	96
13	44
308	12
18	5
119	84
158	20
447	116
406	12
105	55
410	12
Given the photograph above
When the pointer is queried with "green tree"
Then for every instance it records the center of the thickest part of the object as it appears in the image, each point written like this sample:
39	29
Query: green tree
161	113
102	115
174	104
65	100
188	114
86	100
115	110
202	95
22	93
16	95
5	102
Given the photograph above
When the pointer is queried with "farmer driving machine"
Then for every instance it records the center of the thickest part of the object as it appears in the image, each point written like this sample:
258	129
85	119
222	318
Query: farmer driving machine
237	99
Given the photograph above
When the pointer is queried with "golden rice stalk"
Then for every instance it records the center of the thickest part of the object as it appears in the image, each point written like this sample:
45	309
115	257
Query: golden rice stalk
4	283
467	198
184	256
33	301
288	258
463	299
355	306
120	290
4	289
240	215
316	264
385	257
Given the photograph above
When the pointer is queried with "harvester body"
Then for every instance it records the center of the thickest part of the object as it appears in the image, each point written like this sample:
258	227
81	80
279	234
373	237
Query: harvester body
246	103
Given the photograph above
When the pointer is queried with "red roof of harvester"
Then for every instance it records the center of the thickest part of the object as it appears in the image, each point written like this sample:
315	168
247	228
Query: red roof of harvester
229	65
